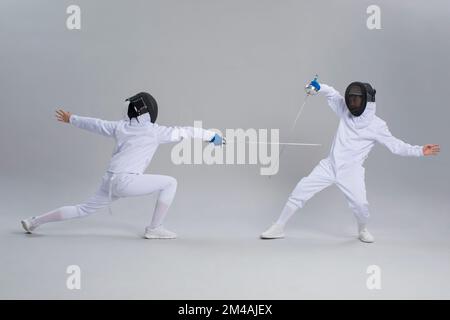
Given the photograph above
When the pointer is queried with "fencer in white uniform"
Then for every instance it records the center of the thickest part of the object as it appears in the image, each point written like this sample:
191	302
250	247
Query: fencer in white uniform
136	139
357	133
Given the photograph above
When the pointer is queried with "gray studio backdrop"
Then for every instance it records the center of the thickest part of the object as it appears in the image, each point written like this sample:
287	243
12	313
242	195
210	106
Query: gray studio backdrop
230	64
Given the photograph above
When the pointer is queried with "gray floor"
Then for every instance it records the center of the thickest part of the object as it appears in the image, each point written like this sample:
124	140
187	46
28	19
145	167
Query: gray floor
218	254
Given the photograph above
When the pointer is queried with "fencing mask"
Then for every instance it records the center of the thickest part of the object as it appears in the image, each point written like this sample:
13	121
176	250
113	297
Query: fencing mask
142	103
357	95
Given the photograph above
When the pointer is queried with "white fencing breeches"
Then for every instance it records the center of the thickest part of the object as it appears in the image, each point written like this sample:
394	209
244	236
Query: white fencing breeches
349	180
118	186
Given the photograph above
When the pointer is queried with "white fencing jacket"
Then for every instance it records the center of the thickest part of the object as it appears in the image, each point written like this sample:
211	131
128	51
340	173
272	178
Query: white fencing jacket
136	141
356	136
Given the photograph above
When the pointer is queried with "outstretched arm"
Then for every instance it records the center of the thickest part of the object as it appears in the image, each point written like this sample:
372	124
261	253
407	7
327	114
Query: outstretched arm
401	148
175	134
94	125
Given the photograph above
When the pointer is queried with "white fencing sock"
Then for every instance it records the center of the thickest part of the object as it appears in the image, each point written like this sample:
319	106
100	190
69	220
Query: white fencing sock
165	199
63	213
286	214
159	214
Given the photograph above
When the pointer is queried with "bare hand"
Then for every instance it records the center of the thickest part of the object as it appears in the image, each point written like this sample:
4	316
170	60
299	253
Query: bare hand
431	149
63	116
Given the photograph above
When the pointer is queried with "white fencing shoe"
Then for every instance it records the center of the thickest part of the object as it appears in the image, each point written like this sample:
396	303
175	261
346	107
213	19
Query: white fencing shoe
27	225
159	233
365	236
276	231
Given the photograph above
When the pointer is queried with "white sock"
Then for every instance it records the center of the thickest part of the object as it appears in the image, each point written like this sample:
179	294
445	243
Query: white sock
159	214
286	214
361	227
63	213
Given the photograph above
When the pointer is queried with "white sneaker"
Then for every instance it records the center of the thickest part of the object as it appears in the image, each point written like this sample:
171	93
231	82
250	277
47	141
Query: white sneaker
159	233
365	236
27	225
276	231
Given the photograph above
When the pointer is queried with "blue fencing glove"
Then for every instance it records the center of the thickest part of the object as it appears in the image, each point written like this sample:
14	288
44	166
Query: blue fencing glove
315	84
313	87
217	140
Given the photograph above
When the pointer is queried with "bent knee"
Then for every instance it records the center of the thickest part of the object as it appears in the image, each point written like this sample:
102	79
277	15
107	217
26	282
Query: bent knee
172	181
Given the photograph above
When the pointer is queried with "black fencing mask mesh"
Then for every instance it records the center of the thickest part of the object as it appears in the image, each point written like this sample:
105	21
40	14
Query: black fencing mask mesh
357	95
142	103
